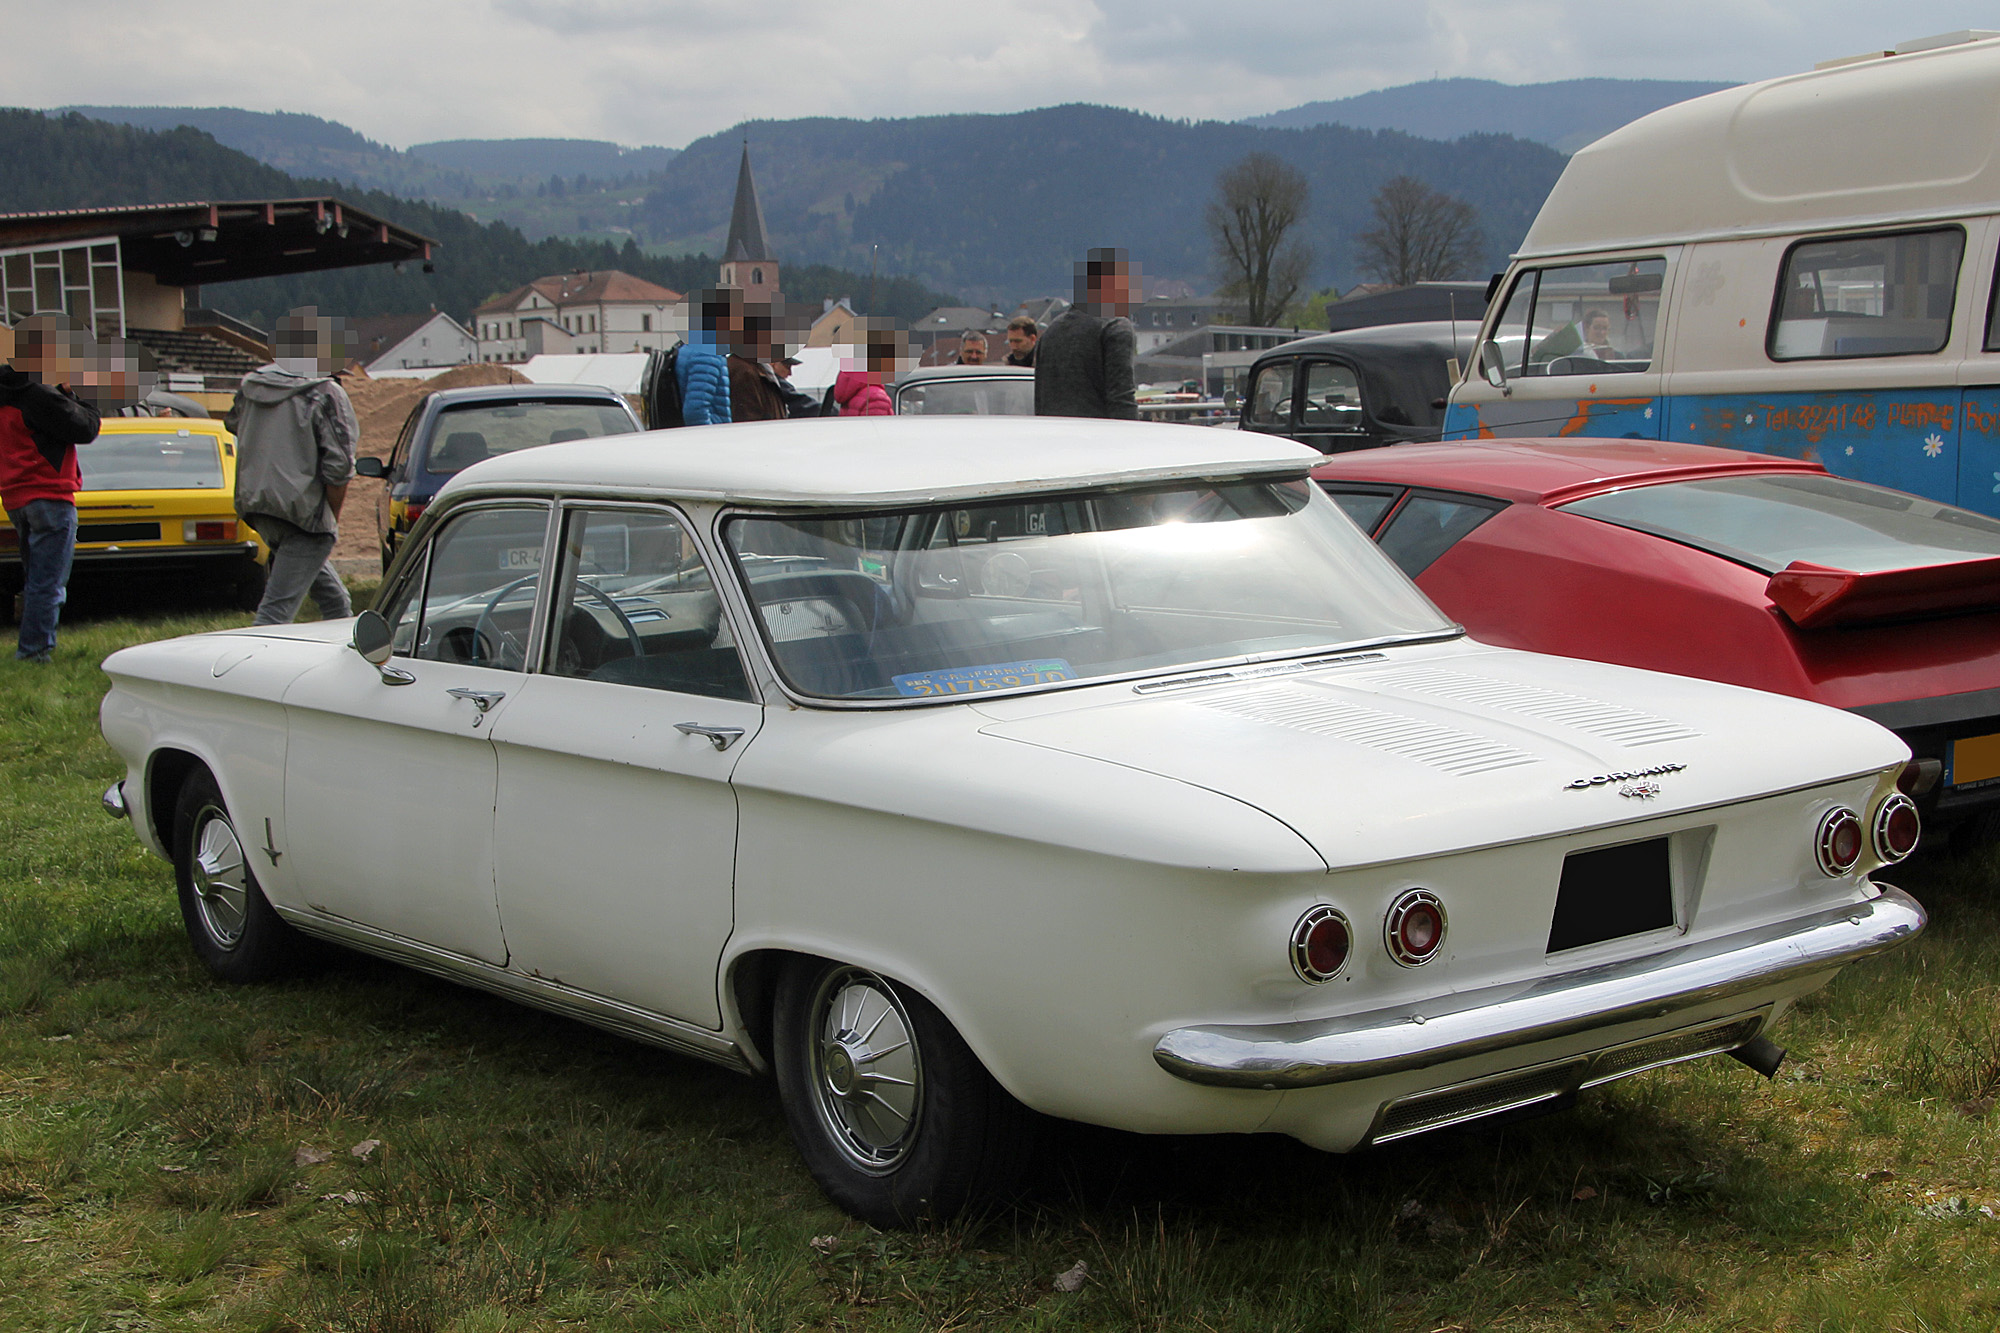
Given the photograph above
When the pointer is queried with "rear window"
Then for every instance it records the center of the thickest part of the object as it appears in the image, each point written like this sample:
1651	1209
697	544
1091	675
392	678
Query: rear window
180	460
983	396
479	431
1767	522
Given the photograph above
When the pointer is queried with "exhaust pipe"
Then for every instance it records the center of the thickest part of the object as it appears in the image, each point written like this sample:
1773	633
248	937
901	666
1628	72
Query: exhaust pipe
1761	1054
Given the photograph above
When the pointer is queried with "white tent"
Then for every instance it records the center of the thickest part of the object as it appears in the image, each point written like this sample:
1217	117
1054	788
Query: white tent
617	371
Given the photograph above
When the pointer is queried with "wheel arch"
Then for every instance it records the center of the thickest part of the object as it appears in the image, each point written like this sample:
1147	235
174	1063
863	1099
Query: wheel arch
167	771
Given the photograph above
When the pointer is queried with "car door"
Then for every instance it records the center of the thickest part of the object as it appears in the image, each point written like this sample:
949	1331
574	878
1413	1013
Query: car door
389	788
616	826
1329	414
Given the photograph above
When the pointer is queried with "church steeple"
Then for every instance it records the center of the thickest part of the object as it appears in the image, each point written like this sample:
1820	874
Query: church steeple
747	261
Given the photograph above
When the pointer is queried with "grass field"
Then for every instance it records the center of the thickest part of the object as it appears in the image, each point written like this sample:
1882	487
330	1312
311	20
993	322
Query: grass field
179	1155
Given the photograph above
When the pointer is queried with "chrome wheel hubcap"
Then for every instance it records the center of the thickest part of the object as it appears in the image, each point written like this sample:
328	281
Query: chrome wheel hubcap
221	878
867	1073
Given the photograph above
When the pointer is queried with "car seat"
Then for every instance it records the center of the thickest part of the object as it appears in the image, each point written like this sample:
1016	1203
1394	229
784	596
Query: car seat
460	450
567	433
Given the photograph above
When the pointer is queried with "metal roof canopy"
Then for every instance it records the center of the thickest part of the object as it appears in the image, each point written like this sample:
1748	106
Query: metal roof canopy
188	244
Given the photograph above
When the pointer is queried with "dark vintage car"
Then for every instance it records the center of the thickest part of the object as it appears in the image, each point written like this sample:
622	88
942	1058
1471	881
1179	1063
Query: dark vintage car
451	429
1359	388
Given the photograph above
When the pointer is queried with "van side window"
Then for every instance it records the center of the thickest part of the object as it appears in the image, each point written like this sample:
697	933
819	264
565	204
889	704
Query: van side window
1512	330
1883	295
1992	343
1596	319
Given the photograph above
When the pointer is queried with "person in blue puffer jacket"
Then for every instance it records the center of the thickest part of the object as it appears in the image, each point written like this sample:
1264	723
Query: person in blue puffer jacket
714	315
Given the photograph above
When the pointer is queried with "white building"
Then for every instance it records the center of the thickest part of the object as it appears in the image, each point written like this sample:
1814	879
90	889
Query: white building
412	342
582	313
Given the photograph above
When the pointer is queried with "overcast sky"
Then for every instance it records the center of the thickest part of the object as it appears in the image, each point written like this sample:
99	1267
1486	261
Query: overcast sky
669	71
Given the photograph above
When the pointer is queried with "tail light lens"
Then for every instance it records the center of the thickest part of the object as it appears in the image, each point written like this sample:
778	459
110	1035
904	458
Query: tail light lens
1320	944
207	530
1896	828
1414	930
1838	842
411	513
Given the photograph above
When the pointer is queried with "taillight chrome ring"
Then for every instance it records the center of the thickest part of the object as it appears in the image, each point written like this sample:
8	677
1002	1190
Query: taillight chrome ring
1895	828
1837	844
1321	944
1415	928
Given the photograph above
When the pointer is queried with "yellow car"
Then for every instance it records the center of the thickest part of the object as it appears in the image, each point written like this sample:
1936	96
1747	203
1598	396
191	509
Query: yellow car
158	497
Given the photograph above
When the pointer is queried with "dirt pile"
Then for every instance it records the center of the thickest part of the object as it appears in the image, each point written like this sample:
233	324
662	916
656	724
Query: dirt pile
381	406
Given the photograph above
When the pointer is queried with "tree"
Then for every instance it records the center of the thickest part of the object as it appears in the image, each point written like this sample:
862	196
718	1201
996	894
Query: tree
1257	204
1421	235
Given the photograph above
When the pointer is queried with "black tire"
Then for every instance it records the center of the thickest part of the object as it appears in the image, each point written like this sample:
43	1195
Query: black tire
235	932
955	1142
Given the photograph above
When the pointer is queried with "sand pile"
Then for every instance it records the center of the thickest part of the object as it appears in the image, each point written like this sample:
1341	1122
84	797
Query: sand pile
382	406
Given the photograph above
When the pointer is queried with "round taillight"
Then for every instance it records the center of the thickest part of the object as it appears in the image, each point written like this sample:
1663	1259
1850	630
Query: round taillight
1897	828
1838	843
1414	930
1320	944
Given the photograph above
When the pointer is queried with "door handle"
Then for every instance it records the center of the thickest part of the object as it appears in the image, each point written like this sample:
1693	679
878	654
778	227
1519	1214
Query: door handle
723	737
482	699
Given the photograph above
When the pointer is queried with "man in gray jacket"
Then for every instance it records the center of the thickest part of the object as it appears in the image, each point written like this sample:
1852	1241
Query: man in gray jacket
1084	361
295	439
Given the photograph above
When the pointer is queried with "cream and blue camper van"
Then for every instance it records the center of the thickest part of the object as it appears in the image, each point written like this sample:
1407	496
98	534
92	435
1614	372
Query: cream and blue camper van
1804	266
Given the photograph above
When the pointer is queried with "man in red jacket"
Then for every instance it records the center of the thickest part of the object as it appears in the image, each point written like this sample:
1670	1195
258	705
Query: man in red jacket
41	423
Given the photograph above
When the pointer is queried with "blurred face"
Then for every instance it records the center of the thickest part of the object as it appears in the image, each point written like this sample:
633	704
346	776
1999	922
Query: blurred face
1598	330
1020	340
1113	290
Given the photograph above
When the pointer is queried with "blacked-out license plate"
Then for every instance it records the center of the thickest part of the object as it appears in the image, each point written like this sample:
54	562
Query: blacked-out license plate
1608	893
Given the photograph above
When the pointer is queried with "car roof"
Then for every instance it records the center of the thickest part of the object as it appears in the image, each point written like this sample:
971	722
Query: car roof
1441	336
965	372
1548	471
513	392
160	426
873	462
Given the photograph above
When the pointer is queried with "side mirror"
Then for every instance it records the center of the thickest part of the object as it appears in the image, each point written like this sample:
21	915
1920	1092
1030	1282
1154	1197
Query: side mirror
370	467
373	641
1493	364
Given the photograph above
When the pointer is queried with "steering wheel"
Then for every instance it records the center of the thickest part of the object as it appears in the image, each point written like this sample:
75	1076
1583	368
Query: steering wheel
484	631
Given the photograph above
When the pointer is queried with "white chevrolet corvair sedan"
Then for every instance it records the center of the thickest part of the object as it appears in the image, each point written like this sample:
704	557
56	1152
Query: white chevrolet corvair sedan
954	770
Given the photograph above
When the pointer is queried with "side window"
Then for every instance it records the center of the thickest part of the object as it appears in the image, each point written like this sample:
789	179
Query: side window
472	599
1511	333
1365	507
1867	296
400	455
1332	398
1429	525
1596	319
637	606
1269	406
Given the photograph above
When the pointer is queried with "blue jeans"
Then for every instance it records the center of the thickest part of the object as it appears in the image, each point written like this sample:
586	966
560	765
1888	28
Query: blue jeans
48	541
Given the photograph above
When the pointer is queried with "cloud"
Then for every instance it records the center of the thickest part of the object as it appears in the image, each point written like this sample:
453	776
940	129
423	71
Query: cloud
668	71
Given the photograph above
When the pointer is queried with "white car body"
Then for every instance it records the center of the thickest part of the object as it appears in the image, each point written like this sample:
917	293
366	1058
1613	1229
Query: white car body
1095	881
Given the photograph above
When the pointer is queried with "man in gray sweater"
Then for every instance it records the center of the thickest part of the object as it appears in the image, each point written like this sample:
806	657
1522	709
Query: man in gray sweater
295	440
1084	361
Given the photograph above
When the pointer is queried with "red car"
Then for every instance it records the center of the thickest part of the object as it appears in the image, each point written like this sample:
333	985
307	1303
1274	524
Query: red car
1737	567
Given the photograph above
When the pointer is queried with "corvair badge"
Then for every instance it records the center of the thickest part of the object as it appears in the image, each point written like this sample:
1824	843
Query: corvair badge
1634	775
1641	791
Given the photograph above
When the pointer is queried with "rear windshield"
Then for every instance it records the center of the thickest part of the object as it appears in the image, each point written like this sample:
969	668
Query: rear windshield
989	396
1767	522
478	431
180	460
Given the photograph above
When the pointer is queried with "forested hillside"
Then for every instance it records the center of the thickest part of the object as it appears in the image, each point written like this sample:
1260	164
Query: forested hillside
999	206
71	161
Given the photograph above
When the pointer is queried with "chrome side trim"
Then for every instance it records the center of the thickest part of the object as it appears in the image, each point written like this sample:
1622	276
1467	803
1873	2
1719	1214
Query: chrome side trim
624	1019
113	801
1388	1041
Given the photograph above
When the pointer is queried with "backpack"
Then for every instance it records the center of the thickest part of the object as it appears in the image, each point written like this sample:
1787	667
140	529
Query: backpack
663	396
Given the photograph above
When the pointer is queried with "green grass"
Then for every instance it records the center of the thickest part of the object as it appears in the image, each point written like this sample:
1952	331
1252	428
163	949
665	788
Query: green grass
534	1174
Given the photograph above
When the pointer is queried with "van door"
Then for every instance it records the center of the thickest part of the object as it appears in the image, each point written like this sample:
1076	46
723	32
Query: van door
1979	376
1579	344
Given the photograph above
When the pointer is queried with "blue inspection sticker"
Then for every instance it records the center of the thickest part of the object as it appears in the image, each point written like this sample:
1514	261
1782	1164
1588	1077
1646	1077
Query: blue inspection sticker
973	680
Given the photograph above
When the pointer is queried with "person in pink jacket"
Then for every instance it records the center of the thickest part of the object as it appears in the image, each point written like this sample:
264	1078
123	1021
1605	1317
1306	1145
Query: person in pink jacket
858	390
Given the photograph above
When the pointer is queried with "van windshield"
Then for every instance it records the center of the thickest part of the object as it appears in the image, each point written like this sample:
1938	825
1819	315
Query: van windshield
1767	522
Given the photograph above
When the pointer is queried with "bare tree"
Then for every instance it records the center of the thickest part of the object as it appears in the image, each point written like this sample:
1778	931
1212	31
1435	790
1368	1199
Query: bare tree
1421	235
1257	204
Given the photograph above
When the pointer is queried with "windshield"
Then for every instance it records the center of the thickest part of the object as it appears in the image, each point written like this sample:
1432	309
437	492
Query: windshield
937	602
478	431
178	460
985	396
1767	522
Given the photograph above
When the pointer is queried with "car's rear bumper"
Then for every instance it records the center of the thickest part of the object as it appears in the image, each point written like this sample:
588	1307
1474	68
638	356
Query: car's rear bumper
1693	977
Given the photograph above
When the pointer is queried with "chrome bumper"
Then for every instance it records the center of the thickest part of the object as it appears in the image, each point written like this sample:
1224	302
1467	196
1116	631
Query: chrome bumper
1385	1041
113	801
